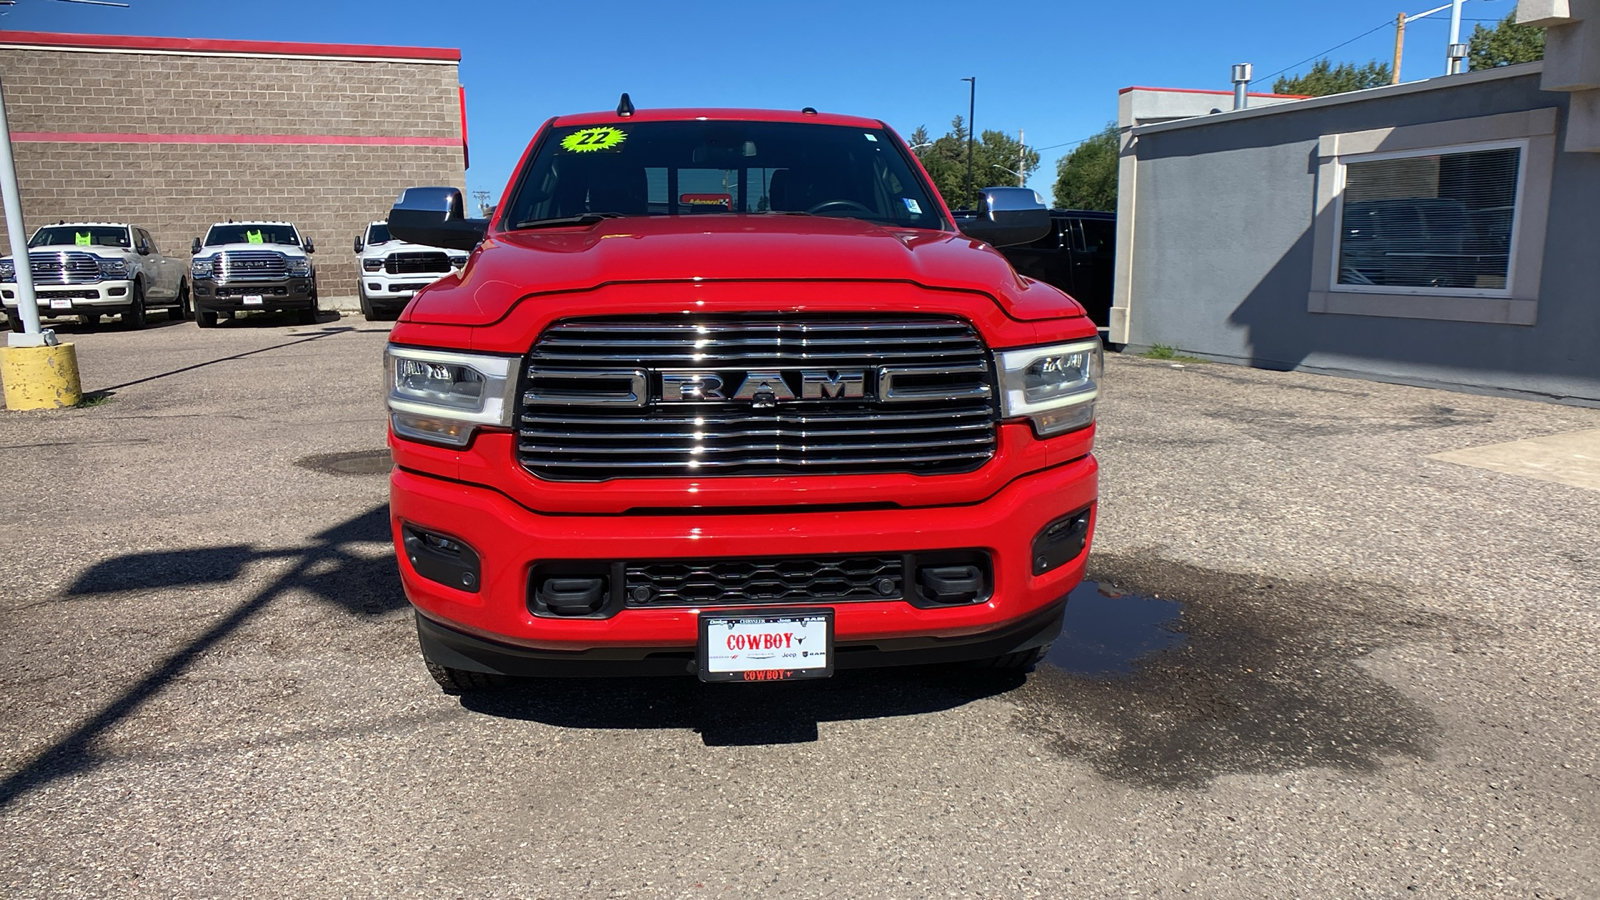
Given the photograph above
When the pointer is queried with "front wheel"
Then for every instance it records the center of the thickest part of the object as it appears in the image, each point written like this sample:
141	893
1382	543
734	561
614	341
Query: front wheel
308	316
185	308
1020	661
133	319
205	318
460	681
91	319
16	320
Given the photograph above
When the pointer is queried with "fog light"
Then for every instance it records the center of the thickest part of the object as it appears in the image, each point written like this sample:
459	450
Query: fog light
1061	541
116	291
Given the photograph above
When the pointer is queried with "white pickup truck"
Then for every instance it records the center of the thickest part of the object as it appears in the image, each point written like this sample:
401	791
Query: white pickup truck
247	266
93	269
391	270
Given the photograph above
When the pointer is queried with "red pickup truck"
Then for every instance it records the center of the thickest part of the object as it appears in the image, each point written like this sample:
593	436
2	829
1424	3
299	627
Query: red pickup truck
725	392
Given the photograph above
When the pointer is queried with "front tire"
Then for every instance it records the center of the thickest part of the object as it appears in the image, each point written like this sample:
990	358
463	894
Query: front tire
185	309
134	318
205	318
309	315
16	320
460	681
91	320
1019	662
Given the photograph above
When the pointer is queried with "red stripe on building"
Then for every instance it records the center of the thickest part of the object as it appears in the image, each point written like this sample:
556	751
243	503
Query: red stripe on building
89	137
47	39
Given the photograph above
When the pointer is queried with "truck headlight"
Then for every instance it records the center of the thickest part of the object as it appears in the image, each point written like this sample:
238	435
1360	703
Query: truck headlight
372	265
442	396
113	268
8	270
200	267
457	262
299	267
1055	386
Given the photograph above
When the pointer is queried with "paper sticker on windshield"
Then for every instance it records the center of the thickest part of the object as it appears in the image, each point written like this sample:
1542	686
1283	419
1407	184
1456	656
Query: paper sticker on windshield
80	238
871	137
586	140
254	237
914	206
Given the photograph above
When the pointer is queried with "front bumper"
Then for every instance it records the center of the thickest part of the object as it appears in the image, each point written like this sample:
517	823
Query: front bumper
99	298
494	629
289	293
385	290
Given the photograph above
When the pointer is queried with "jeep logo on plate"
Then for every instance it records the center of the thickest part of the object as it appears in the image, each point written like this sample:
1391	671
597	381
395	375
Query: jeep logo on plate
762	388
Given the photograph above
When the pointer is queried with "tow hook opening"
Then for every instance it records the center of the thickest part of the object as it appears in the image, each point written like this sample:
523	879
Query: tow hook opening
1061	541
437	557
951	577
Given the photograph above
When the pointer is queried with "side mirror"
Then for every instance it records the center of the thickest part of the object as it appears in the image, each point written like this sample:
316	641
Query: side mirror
311	246
434	216
358	243
195	247
1007	216
143	249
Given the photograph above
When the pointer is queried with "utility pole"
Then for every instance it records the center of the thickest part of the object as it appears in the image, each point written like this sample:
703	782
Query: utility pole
1022	160
972	106
1455	38
1399	47
27	305
482	199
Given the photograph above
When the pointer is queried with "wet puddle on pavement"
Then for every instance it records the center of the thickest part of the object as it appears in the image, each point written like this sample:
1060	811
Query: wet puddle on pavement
1106	631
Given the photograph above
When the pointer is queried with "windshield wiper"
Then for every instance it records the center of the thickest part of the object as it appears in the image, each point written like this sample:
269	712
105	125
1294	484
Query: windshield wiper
582	219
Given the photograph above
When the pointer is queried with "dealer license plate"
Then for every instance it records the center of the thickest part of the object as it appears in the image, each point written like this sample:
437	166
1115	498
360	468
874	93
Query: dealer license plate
252	299
766	645
60	304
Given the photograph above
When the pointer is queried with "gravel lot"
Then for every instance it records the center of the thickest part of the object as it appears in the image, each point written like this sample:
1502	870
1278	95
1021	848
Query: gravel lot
1372	673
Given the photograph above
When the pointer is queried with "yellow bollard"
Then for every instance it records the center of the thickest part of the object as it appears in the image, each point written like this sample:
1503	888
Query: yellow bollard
40	377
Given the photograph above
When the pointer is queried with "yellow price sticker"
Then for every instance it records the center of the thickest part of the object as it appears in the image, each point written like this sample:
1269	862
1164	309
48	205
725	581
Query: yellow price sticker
81	238
588	140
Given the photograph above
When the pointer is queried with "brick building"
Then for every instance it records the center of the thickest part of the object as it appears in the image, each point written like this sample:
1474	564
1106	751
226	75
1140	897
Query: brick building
174	134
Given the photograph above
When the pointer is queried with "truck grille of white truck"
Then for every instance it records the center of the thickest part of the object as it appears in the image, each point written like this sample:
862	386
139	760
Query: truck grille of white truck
64	267
416	263
649	398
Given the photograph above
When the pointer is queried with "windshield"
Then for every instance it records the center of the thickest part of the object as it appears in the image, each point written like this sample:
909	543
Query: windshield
709	168
81	235
252	234
378	233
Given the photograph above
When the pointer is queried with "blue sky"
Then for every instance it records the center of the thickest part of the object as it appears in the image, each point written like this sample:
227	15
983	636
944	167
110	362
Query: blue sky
1054	72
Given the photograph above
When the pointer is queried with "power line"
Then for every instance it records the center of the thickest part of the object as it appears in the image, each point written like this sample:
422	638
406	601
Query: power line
1389	23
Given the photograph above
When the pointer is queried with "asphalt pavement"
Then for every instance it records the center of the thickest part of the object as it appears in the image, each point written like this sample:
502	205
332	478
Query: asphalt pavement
1316	662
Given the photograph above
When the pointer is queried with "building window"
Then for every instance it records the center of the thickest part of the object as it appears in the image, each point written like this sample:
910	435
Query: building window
1440	220
1431	221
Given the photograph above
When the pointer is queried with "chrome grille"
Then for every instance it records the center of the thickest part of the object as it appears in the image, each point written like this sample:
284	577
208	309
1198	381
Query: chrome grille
593	403
64	267
416	263
249	265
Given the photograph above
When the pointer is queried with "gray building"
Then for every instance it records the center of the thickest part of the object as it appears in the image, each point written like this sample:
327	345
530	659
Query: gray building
1442	232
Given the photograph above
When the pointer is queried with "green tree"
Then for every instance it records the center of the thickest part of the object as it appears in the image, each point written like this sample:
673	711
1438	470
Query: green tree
1086	178
1325	78
1505	44
995	156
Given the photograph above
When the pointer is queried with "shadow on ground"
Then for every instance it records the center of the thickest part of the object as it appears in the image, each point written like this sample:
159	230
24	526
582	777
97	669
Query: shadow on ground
1268	678
742	714
327	568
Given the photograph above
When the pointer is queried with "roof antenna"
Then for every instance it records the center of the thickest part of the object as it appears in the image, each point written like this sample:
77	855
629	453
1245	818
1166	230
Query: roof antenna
624	106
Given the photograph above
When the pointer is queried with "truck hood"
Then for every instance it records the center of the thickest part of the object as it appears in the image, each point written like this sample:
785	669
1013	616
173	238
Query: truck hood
93	250
514	265
285	249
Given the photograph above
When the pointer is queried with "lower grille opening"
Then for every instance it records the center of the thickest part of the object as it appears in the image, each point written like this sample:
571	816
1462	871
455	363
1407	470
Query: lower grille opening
777	580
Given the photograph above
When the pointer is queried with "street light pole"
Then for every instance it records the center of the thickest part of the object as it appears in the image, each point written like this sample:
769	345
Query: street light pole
27	309
972	105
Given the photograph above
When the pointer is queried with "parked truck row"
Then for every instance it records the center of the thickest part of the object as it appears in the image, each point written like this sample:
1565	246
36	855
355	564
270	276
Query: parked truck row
91	270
